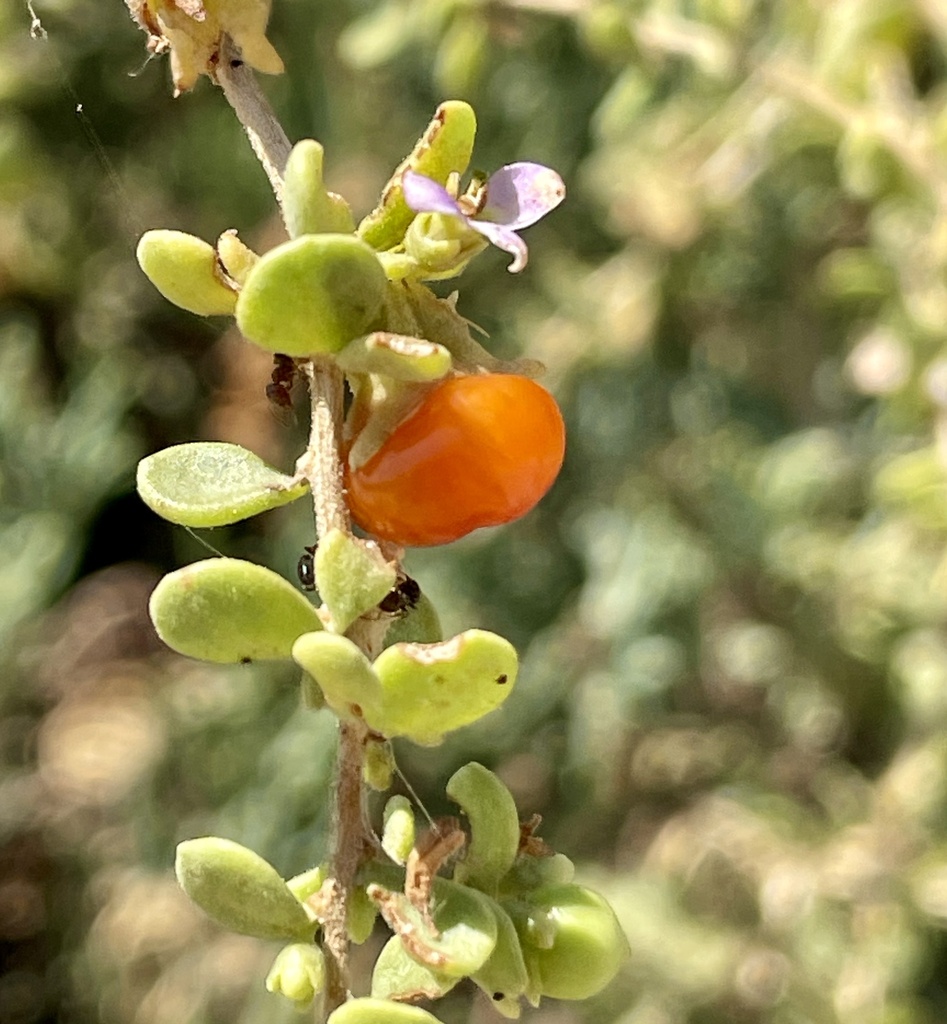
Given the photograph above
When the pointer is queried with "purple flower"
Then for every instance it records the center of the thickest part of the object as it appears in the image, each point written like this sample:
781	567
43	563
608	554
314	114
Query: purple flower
514	197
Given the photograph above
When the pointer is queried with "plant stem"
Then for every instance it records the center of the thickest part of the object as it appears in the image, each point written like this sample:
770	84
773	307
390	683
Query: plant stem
267	138
322	467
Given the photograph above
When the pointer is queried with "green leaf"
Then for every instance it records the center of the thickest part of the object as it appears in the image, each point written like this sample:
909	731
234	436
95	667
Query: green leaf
417	625
379	1011
361	915
445	147
343	673
351	576
432	689
228	610
396	975
464	930
185	270
240	890
494	826
211	483
416	690
504	977
396	355
308	206
312	295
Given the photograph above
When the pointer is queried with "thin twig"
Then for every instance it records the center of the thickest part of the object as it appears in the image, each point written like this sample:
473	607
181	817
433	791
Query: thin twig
349	846
267	138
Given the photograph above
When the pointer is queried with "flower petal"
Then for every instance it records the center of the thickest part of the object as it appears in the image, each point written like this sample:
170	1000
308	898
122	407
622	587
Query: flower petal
520	194
424	195
503	238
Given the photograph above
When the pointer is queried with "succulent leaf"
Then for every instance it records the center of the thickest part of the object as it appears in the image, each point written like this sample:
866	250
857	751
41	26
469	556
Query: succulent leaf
455	939
417	625
494	826
396	975
572	942
432	689
240	890
308	206
351	577
342	671
211	483
228	610
312	295
504	977
185	270
395	355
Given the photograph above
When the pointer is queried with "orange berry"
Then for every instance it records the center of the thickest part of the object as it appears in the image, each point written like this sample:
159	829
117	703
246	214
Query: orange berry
478	451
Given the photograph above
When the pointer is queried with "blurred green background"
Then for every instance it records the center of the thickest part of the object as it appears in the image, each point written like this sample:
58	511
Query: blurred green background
731	608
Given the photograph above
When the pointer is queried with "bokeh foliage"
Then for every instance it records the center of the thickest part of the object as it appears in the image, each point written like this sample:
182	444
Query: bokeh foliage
733	711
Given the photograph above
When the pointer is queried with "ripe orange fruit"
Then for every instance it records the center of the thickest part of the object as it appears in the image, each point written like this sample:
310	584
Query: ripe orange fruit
478	451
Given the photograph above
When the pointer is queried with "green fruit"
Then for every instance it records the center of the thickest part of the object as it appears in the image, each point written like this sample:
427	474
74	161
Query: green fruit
571	939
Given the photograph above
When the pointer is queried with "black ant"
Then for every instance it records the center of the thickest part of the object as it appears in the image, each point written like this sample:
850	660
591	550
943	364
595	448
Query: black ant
306	568
402	598
279	391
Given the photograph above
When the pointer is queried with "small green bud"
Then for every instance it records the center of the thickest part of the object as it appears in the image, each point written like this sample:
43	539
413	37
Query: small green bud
308	207
240	890
306	884
312	295
398	834
360	919
185	270
238	259
441	246
299	973
378	767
